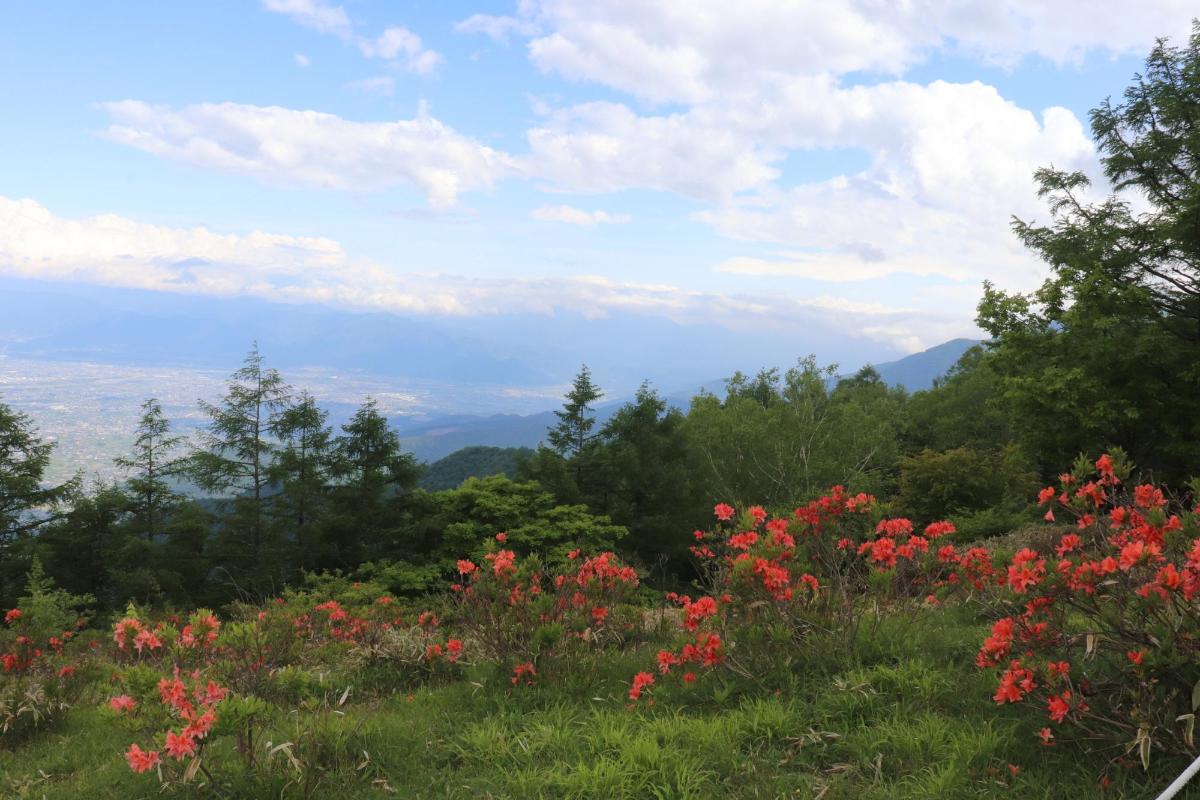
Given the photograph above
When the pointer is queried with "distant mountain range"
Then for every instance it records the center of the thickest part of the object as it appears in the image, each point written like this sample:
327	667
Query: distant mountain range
438	438
526	354
81	360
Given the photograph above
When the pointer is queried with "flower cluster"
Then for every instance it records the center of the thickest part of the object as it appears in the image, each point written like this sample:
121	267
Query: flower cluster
131	632
194	705
517	610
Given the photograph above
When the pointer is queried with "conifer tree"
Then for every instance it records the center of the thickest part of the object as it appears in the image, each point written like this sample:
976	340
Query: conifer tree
370	472
576	420
152	461
24	458
300	474
235	457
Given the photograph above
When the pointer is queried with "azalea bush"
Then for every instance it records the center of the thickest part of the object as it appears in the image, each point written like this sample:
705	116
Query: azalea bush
774	583
514	610
40	625
1103	632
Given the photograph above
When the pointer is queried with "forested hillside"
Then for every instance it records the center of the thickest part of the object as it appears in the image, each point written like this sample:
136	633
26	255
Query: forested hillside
472	462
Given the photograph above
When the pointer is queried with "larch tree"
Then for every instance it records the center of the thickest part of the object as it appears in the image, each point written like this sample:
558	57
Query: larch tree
153	460
235	457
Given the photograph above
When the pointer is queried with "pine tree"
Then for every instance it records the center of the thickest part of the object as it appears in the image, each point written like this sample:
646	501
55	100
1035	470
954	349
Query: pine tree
371	471
24	497
575	421
235	457
300	474
153	460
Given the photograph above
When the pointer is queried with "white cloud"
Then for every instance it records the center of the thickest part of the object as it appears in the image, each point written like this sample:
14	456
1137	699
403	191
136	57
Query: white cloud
577	216
302	60
112	250
316	15
692	51
837	267
311	148
396	42
378	84
605	147
949	165
497	28
390	45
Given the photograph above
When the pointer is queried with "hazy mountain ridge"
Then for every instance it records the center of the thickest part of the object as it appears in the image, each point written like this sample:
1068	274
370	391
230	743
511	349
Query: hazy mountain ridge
524	352
441	436
81	359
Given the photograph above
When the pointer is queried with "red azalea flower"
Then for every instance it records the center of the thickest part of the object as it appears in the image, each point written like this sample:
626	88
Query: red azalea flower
181	745
141	760
1058	706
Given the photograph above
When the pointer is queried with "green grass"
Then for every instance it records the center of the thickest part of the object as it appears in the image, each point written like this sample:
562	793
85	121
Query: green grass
910	718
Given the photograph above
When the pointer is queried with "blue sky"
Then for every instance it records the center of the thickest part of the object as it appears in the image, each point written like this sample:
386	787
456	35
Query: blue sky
765	165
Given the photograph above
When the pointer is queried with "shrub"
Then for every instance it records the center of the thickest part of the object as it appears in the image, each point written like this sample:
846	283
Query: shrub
515	612
773	584
986	489
1104	635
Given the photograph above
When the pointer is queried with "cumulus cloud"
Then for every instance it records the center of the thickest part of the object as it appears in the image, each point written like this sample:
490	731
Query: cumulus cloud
949	165
396	44
692	51
301	60
605	147
312	148
117	251
577	216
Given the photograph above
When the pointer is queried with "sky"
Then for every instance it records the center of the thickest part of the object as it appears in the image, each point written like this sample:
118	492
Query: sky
764	164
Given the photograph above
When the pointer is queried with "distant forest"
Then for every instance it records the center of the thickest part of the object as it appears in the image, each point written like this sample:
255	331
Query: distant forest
473	462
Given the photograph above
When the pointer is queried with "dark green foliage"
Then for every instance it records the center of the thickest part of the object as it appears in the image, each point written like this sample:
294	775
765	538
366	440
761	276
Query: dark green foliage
576	420
455	522
370	475
300	475
88	551
650	487
1103	372
472	462
962	409
961	482
1107	352
23	461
